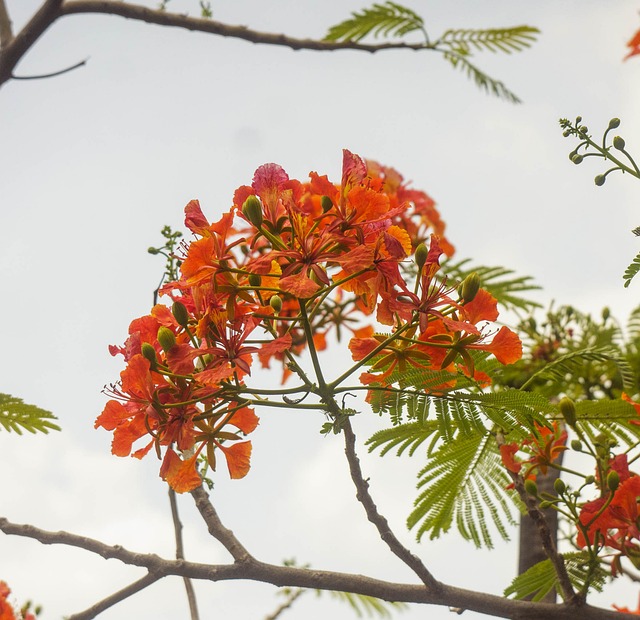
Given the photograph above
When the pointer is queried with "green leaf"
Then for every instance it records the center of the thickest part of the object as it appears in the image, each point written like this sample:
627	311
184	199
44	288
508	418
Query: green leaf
631	271
388	19
541	578
408	436
366	605
16	415
464	482
507	40
498	281
482	80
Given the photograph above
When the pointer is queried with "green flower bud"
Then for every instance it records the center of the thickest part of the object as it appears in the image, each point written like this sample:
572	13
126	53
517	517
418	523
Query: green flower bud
545	504
531	487
576	158
252	210
153	251
568	410
606	313
599	180
470	287
578	119
180	313
326	203
276	303
166	338
613	480
254	279
559	486
618	143
589	479
576	445
566	133
614	123
420	255
583	129
149	353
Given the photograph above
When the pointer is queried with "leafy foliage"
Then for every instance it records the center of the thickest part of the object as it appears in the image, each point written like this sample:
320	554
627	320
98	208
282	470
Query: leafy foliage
508	40
409	436
16	415
388	19
363	605
463	482
499	281
541	579
631	271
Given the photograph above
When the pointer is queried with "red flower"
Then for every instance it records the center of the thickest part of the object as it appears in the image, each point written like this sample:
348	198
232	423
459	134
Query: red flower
634	45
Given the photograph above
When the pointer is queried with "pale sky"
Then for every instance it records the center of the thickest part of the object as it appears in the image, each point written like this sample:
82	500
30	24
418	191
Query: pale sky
94	163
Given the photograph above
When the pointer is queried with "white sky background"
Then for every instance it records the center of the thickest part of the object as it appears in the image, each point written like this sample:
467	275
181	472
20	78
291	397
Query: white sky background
95	162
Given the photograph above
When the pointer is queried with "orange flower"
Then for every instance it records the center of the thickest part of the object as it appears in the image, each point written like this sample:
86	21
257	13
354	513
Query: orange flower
634	44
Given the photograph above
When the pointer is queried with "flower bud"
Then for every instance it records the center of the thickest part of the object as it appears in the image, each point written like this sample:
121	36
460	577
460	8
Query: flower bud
531	487
606	313
252	210
470	287
326	203
153	251
599	180
545	504
614	123
578	119
254	279
149	353
576	445
559	486
180	313
276	303
420	255
568	410
583	129
618	143
613	480
576	158
589	479
166	338
566	133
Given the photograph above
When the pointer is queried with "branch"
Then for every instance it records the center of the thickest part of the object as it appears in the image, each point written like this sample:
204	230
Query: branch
53	74
363	496
198	24
116	597
217	530
6	32
177	528
291	599
11	53
285	576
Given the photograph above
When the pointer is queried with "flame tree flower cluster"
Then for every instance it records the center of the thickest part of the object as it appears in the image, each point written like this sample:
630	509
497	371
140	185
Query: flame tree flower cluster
290	265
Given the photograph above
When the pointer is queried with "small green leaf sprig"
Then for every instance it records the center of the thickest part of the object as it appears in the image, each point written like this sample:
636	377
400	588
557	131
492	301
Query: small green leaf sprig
611	150
604	150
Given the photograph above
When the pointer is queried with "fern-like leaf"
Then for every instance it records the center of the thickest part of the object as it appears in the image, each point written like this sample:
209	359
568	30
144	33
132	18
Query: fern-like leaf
482	80
498	281
572	364
363	604
388	19
633	324
408	436
506	40
15	415
463	482
541	578
631	271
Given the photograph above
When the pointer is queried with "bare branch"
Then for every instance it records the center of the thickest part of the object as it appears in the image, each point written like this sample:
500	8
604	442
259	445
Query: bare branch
177	528
282	576
11	54
198	24
291	599
6	31
217	530
362	493
115	598
48	75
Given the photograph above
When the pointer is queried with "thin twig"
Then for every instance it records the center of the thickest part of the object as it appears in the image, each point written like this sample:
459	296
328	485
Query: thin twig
43	76
217	530
177	528
6	31
198	24
364	497
291	599
115	598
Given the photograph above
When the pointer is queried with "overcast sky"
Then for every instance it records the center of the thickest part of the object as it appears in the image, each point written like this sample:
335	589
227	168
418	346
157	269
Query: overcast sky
94	163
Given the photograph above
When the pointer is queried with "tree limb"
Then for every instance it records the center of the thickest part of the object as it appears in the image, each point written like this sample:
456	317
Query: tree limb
42	76
6	31
282	576
364	497
115	598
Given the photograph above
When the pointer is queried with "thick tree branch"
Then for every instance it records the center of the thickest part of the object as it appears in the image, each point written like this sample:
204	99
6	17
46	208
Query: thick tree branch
364	497
177	529
115	598
282	576
210	26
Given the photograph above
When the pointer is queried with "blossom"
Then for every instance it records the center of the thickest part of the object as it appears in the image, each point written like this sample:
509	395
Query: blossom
634	45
